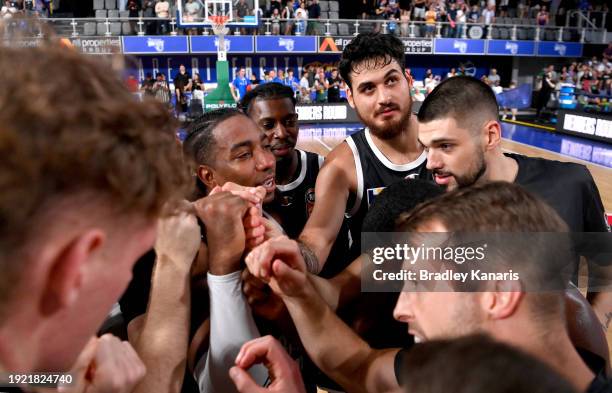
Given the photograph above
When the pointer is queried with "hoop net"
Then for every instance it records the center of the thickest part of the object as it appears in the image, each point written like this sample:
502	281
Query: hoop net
218	23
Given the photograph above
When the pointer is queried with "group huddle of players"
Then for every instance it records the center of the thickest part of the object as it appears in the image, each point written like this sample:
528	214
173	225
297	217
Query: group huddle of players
254	284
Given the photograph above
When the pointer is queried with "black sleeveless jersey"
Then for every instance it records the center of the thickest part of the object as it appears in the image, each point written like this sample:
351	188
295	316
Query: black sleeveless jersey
374	173
294	203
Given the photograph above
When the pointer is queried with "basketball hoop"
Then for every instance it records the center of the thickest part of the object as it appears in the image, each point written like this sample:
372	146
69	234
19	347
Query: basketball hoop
218	24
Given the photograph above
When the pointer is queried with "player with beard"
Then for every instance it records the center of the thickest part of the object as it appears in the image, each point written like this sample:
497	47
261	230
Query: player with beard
384	152
272	107
460	128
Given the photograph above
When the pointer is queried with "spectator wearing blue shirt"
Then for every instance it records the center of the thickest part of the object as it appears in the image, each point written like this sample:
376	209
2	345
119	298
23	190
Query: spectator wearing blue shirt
273	78
239	85
291	80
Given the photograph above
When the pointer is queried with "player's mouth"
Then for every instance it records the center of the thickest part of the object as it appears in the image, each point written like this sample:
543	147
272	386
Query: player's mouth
281	150
442	178
387	112
269	184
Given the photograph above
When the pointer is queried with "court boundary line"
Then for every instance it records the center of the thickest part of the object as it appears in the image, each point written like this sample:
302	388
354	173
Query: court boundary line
522	123
318	139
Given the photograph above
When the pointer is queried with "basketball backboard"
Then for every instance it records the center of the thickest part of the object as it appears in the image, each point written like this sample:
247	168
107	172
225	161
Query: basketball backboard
198	13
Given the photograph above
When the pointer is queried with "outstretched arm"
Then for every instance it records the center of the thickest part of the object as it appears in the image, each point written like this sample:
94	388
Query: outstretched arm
332	345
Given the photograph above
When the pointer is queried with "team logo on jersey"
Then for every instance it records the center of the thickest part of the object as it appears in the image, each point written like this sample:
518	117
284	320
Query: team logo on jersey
412	176
373	193
608	220
309	198
286	200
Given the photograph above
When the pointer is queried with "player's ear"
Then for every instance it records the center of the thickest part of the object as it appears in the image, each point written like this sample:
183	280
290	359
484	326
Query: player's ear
349	97
409	78
67	265
207	176
492	130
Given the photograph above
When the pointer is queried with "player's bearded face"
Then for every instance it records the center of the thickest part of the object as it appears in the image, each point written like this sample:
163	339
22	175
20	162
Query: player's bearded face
463	177
381	97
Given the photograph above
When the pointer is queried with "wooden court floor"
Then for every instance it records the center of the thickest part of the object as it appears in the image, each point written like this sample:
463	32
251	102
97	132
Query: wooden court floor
601	174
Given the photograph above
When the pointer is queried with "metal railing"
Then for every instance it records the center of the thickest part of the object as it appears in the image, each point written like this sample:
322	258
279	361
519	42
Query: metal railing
74	27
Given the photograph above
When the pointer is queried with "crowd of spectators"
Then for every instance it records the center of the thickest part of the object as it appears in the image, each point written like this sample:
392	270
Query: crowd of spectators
11	8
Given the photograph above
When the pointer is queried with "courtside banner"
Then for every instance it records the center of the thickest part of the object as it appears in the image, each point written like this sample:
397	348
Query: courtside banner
476	262
456	46
233	44
511	48
287	44
97	45
326	113
560	49
154	45
597	126
412	45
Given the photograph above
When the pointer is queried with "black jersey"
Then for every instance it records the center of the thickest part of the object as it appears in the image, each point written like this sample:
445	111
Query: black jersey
374	173
567	187
294	203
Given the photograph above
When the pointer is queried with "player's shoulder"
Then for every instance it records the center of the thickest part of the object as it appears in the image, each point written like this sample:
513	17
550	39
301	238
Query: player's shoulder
559	171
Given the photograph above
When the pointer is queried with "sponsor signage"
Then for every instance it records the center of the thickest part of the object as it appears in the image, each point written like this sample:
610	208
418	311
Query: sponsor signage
233	44
456	46
587	125
326	113
97	45
511	48
286	44
412	45
153	45
561	49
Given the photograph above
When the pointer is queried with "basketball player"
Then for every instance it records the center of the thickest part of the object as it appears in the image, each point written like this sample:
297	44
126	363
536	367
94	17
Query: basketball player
532	321
384	152
272	107
84	171
460	129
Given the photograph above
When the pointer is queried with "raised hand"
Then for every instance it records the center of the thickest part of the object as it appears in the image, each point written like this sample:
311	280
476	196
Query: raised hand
279	263
283	370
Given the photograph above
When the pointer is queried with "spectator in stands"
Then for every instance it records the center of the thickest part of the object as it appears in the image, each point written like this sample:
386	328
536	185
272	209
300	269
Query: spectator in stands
162	11
197	83
451	18
301	19
430	22
503	8
335	85
275	5
419	9
405	18
493	76
462	11
291	80
428	76
192	14
474	14
321	85
451	73
275	21
254	81
272	77
304	89
147	86
161	89
148	8
393	16
8	10
242	10
542	18
288	15
182	84
239	85
133	8
314	13
548	87
488	18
